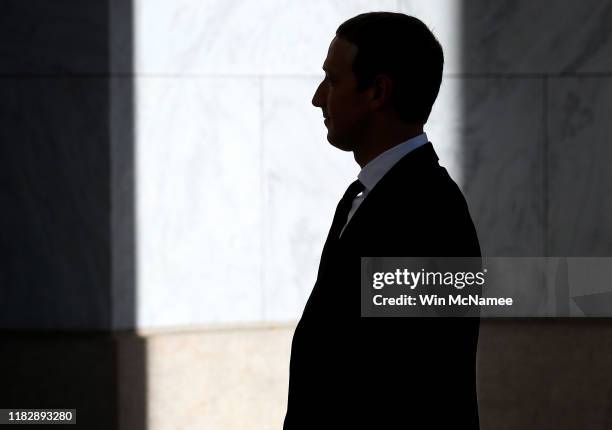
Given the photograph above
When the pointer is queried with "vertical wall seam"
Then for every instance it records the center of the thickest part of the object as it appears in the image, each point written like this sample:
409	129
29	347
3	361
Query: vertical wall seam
545	169
111	171
262	193
111	206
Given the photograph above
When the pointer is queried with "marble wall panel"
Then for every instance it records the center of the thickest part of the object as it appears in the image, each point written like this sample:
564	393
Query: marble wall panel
60	37
198	200
55	204
239	37
529	36
520	36
580	179
121	37
495	127
304	178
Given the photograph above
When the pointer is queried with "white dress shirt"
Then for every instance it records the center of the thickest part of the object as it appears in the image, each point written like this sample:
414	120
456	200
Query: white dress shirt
373	172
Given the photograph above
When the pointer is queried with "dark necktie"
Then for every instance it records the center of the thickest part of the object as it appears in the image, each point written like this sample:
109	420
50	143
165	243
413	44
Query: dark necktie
340	217
343	209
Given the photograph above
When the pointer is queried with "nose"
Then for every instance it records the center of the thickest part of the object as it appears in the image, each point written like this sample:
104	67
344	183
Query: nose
317	99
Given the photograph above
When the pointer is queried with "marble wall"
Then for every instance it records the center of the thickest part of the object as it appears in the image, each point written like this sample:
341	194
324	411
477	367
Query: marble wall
163	168
211	203
557	56
55	200
221	97
236	183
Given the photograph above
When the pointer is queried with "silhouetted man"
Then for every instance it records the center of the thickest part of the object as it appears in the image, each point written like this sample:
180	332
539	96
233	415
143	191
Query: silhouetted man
382	75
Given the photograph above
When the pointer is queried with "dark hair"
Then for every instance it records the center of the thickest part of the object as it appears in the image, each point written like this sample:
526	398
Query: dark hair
403	48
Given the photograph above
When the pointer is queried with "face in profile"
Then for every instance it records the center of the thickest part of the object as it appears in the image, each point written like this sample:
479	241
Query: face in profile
344	108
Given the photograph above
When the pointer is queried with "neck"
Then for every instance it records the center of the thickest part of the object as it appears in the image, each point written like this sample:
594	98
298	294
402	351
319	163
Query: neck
378	142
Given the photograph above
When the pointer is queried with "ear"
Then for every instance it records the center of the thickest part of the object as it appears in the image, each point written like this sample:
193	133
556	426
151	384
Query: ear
383	85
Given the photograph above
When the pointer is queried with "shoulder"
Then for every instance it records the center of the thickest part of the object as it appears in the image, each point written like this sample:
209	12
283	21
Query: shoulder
417	211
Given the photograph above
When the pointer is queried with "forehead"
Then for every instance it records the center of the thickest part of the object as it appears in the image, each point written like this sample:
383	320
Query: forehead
340	56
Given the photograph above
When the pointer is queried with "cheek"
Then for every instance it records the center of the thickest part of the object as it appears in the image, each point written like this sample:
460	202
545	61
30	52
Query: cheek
337	104
330	99
345	107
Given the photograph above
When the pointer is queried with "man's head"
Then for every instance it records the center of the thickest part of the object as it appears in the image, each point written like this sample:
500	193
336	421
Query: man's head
380	64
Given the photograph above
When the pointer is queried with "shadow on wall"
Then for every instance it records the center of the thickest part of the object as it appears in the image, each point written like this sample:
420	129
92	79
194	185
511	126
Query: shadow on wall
68	257
537	85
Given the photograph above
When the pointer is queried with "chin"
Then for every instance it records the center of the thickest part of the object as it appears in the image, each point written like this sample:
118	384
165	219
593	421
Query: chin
341	144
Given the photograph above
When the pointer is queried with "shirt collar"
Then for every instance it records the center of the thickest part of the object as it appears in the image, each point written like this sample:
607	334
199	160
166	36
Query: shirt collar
373	172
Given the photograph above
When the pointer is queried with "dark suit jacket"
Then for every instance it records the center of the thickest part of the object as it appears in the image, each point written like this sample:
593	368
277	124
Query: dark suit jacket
387	373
